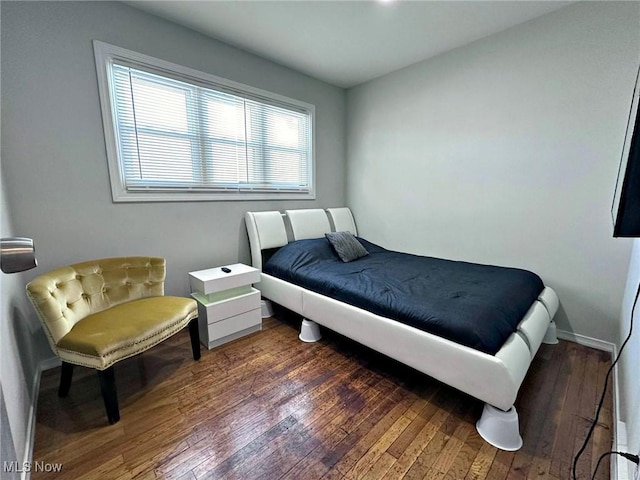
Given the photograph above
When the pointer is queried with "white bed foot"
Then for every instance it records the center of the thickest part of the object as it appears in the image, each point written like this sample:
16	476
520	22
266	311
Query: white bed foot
551	335
500	428
267	308
309	331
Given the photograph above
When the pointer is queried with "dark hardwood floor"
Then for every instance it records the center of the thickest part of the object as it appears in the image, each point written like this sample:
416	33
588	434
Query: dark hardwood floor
268	406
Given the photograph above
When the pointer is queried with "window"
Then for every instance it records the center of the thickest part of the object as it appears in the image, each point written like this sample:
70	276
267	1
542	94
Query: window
173	133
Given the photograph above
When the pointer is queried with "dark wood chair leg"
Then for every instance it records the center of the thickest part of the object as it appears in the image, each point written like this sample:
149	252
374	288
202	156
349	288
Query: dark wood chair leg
194	333
65	379
109	395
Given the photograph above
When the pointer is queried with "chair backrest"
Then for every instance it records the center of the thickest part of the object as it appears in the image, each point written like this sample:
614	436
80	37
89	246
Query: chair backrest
66	295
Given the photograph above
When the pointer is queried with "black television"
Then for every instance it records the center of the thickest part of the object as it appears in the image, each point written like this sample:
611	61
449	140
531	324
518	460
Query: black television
626	201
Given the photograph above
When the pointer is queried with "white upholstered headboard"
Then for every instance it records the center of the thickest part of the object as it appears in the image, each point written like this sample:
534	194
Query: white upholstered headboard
267	229
342	219
311	223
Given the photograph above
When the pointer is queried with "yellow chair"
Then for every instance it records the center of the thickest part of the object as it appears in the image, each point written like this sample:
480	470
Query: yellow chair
99	312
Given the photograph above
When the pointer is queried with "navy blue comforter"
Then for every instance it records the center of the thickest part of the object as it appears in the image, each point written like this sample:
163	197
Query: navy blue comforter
475	305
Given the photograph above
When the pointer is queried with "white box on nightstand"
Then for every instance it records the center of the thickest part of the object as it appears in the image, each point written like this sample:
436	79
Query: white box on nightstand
228	306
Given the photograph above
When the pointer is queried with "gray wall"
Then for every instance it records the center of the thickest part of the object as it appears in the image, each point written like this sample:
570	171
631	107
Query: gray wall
7	450
506	152
22	348
13	433
54	151
55	182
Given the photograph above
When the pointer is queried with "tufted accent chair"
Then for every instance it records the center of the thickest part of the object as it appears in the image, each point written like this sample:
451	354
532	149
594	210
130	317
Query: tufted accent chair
99	312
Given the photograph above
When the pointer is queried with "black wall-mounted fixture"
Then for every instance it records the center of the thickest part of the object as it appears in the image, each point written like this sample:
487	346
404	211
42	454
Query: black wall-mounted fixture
626	202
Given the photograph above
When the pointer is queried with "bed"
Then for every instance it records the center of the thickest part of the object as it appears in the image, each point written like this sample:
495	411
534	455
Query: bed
489	372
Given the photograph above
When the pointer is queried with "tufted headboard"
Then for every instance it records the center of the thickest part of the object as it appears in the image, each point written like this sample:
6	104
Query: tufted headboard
66	295
268	230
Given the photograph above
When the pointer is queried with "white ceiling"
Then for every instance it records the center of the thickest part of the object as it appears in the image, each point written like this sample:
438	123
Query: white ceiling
346	43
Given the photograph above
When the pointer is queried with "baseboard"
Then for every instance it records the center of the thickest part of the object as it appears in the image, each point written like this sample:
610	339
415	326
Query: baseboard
46	364
587	341
49	363
619	466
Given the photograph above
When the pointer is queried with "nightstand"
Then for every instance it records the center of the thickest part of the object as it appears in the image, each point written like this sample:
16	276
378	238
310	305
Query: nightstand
228	306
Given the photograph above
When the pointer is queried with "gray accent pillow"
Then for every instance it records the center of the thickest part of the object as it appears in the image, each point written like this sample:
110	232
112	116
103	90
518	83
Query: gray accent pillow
346	246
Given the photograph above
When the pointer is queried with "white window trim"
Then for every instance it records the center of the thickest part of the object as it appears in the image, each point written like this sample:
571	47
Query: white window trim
105	53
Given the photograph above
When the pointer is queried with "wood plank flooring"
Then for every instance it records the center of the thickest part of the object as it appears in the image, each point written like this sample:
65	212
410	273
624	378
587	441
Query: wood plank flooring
268	406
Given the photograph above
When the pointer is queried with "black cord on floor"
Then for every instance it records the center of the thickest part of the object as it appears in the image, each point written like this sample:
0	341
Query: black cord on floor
628	456
604	391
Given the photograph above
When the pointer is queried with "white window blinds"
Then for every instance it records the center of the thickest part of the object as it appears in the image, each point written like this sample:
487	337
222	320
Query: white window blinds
192	136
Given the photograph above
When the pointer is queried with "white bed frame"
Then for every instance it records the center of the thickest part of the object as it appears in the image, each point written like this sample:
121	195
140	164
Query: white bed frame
494	379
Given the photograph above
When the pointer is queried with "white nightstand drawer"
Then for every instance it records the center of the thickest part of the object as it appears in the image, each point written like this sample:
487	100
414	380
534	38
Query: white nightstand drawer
219	310
235	324
212	280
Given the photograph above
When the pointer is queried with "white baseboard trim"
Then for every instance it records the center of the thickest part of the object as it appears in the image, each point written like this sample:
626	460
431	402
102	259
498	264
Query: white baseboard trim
49	363
586	341
43	365
619	467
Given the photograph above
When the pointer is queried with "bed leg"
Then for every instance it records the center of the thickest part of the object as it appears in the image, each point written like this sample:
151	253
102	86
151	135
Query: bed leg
500	428
551	335
309	331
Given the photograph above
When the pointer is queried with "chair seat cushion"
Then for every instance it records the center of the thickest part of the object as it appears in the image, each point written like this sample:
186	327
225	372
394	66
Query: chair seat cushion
103	338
